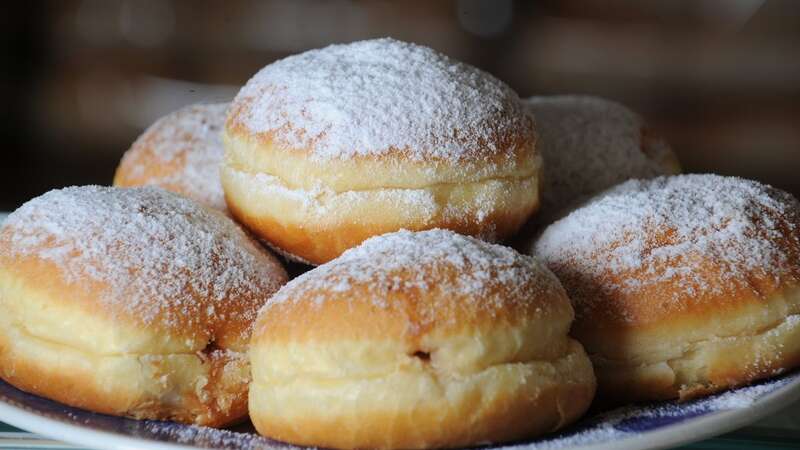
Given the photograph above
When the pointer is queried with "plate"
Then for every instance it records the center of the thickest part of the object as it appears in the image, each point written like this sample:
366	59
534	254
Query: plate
656	425
651	426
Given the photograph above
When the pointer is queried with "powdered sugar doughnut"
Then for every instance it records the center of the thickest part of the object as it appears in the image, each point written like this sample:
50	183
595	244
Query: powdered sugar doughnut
418	340
590	144
682	285
133	302
181	152
329	147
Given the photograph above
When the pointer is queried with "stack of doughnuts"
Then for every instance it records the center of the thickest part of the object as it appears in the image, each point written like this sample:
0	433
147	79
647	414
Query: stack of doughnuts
396	171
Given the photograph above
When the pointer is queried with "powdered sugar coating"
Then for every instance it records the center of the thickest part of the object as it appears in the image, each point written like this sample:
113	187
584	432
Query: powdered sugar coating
425	261
187	145
205	437
590	144
374	97
162	259
701	235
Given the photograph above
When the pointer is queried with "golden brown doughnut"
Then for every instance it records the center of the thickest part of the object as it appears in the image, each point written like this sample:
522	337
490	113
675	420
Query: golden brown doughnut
181	152
329	147
682	285
132	302
418	340
590	144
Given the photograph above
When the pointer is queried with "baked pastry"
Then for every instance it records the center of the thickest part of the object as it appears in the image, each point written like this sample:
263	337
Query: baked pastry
132	302
590	144
683	285
329	147
182	153
417	340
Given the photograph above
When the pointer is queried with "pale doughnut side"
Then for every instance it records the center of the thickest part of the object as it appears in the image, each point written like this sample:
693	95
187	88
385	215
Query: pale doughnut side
417	406
696	368
321	224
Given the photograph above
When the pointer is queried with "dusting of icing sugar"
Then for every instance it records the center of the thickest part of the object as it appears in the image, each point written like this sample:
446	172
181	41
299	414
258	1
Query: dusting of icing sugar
373	97
160	258
425	260
205	437
190	141
589	144
667	230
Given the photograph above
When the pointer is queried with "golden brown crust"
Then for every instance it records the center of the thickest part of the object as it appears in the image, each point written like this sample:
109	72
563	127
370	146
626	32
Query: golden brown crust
144	156
688	300
401	343
28	277
411	314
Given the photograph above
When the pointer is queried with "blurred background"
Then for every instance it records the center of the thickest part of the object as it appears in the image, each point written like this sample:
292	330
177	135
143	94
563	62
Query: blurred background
81	79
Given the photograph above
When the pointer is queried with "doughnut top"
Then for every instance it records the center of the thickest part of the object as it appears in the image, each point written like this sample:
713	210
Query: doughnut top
150	256
376	97
422	280
675	244
180	152
590	144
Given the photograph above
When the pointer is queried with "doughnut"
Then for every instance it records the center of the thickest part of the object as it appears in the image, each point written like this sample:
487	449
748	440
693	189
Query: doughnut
327	148
181	152
418	340
682	286
590	144
132	302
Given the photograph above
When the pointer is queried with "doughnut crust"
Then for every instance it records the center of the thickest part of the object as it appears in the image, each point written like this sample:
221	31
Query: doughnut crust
327	148
182	153
132	302
682	286
418	340
590	144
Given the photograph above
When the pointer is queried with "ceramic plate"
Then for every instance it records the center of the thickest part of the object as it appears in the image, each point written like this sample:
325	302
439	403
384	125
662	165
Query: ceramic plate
656	425
651	426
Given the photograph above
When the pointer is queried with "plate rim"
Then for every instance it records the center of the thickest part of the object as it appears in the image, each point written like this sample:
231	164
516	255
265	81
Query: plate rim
709	425
685	432
76	434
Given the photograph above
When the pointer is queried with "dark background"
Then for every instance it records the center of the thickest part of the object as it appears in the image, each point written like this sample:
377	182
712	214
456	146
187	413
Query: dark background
81	79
